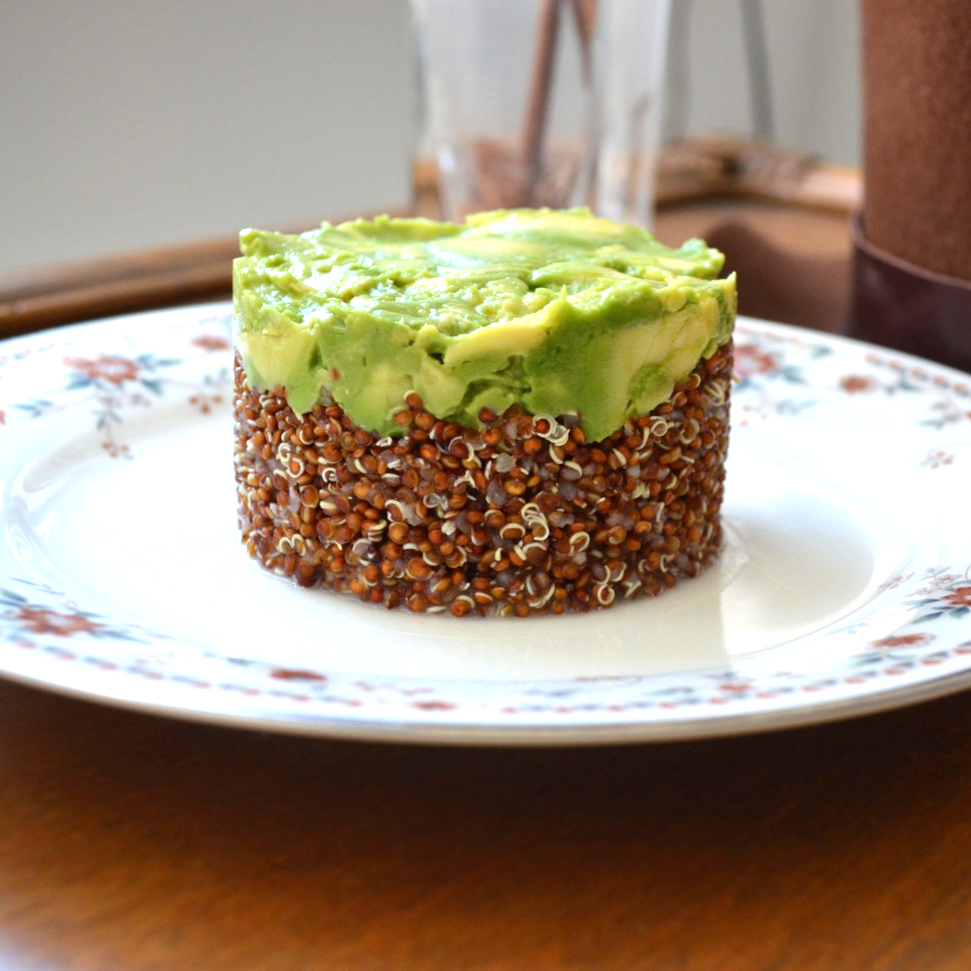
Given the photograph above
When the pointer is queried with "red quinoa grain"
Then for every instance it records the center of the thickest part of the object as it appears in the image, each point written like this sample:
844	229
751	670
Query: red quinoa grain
523	517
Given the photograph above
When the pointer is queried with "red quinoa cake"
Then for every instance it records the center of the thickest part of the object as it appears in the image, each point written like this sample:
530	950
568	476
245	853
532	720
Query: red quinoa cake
526	413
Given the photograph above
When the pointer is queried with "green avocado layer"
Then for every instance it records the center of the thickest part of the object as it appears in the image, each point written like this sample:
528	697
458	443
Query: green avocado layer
558	311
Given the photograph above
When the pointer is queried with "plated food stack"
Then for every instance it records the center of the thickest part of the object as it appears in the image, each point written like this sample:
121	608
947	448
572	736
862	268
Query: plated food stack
526	413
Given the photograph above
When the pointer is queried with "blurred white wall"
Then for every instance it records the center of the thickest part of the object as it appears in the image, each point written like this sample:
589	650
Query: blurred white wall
126	124
813	55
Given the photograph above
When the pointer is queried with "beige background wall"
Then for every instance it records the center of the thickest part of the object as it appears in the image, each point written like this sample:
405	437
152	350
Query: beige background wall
132	123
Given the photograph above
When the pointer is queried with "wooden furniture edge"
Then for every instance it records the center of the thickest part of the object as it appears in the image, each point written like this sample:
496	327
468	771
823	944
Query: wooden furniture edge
696	169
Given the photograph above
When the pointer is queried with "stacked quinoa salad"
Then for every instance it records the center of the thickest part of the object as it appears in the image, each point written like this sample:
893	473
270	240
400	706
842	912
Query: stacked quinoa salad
526	413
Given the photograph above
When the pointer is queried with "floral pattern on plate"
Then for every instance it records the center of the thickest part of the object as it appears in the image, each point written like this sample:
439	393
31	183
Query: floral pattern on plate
111	384
910	639
789	358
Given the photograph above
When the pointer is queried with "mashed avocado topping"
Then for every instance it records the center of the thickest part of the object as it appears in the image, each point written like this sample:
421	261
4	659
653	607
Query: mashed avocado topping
558	311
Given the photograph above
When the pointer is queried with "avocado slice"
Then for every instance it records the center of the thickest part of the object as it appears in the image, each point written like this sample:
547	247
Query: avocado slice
557	310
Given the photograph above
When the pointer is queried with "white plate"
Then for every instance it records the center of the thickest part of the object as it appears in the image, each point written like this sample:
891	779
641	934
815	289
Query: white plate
844	585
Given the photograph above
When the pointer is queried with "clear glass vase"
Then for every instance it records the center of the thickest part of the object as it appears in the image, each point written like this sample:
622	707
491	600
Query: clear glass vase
539	103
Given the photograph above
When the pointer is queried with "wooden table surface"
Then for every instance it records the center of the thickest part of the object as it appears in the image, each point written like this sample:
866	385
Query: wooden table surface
131	842
134	842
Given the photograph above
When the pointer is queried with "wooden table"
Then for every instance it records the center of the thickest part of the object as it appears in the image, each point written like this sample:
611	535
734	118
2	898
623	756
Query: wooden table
131	842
